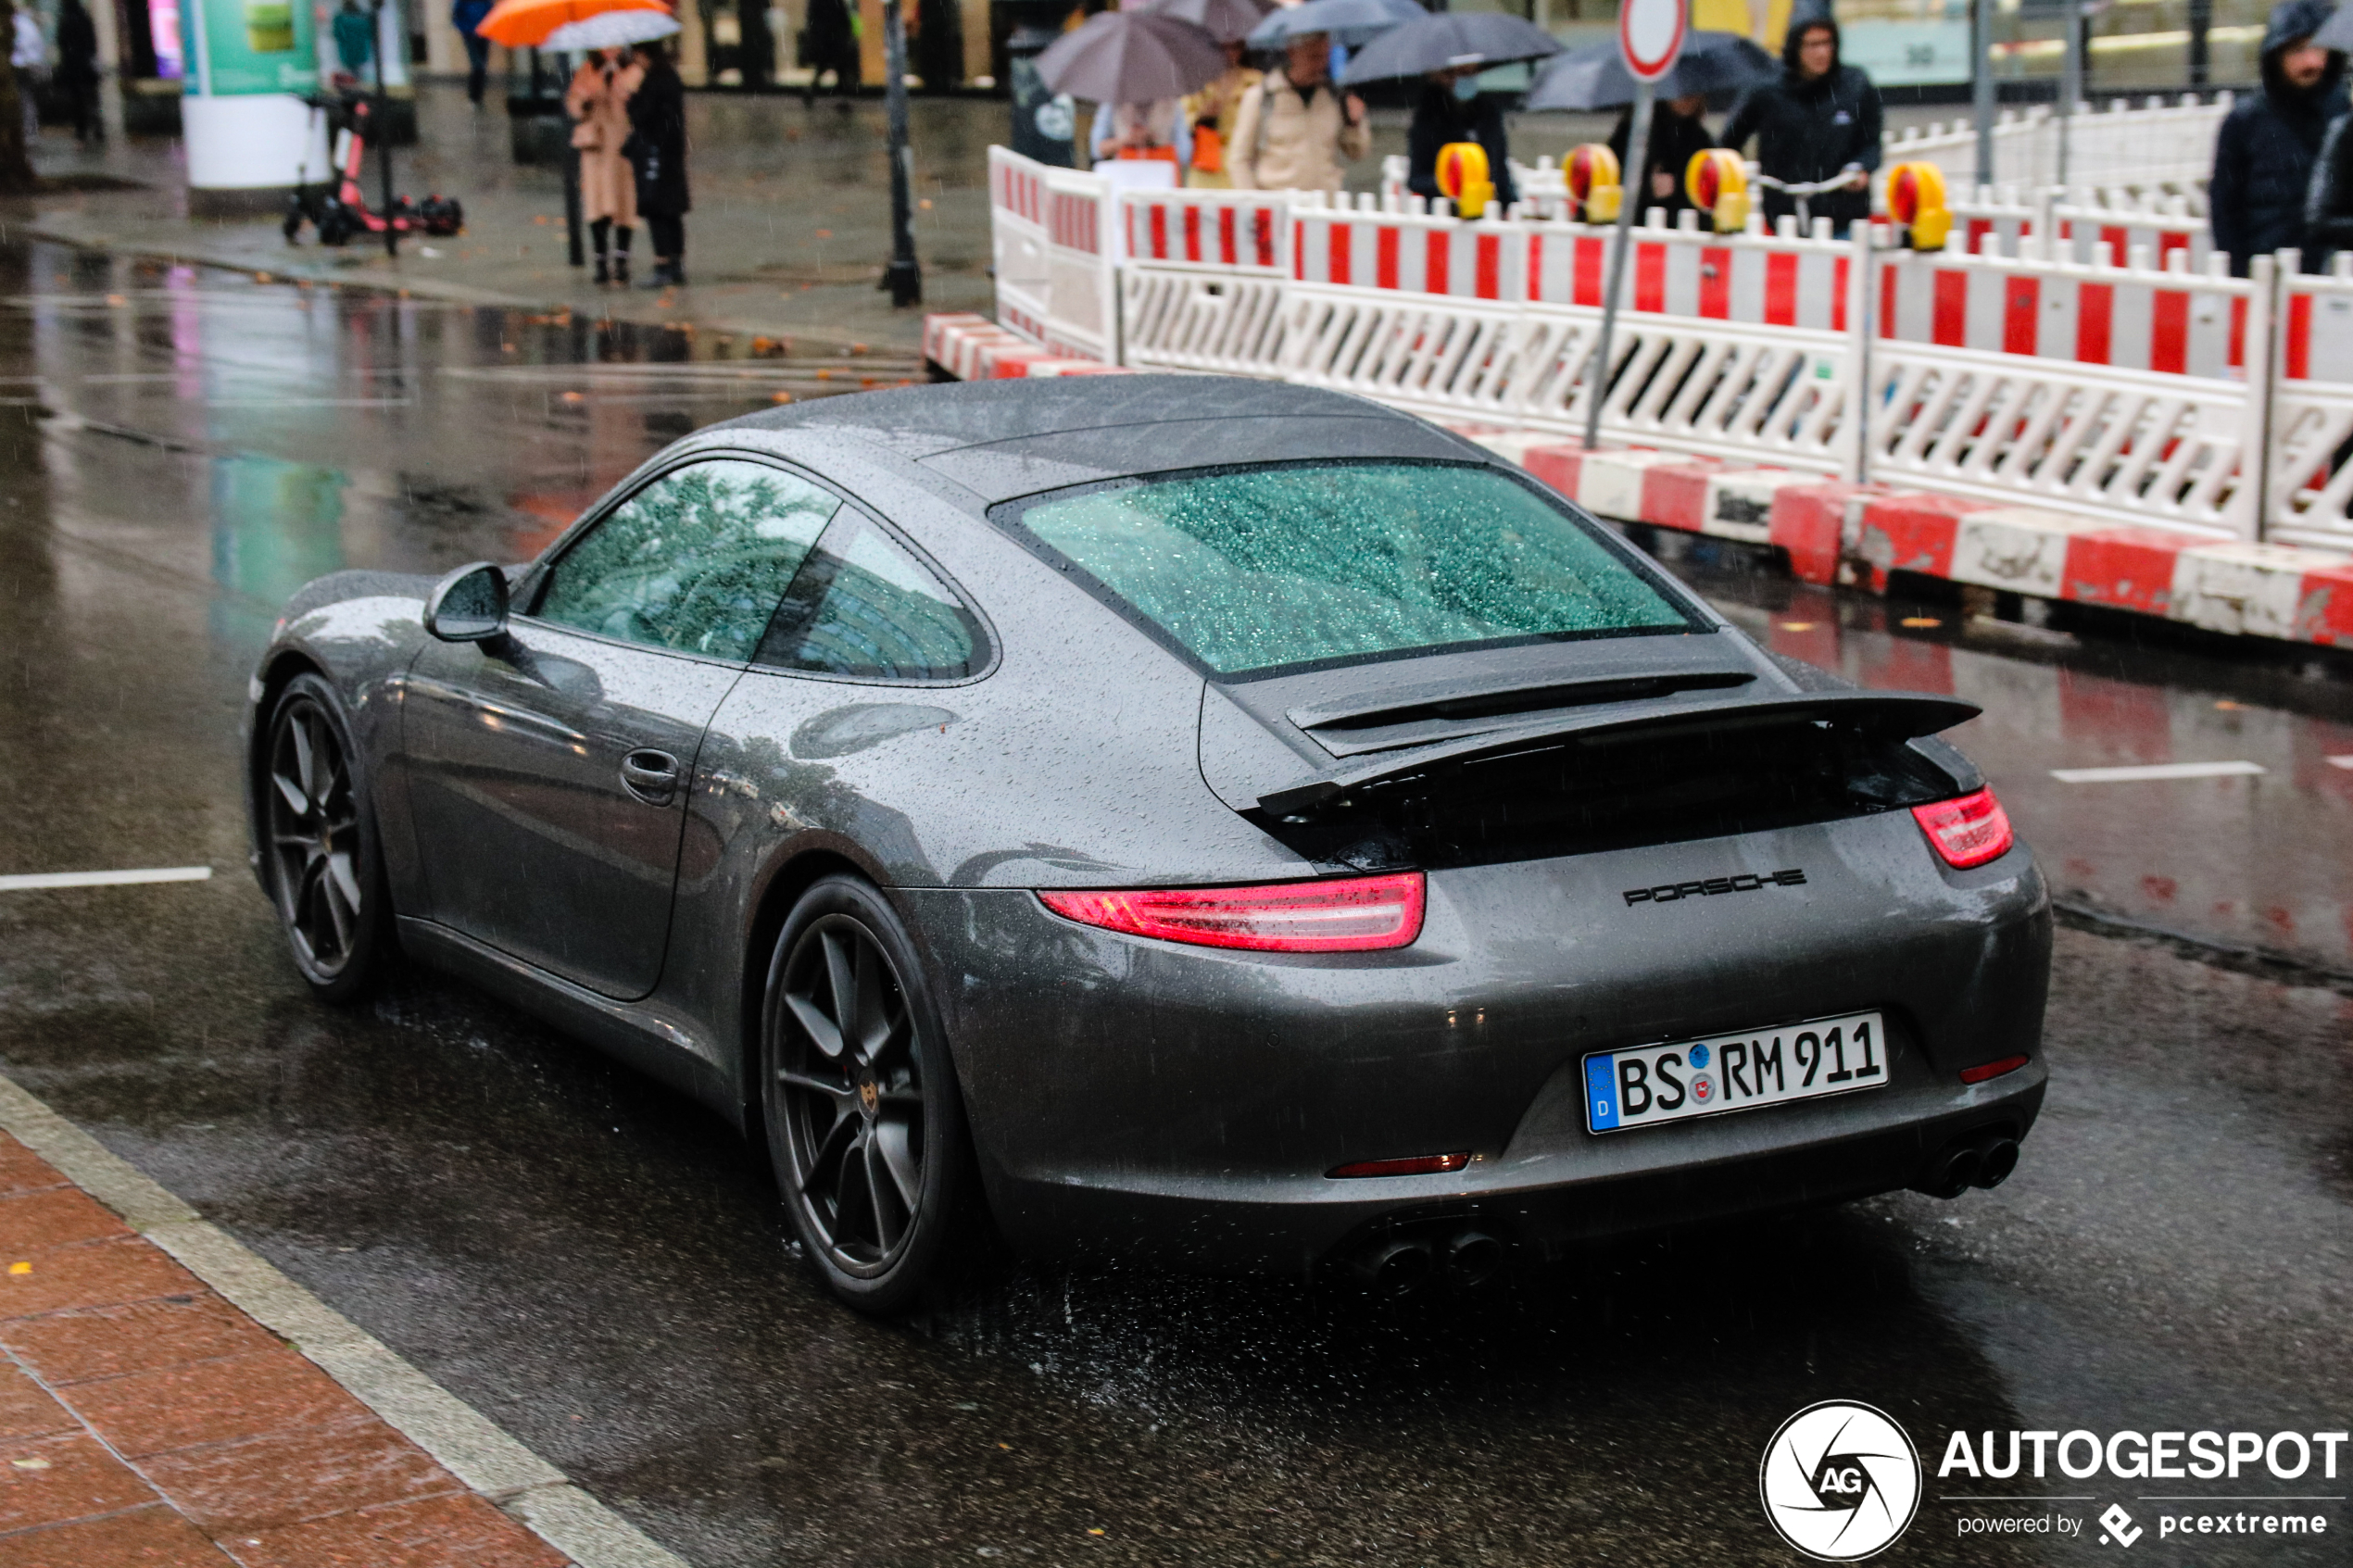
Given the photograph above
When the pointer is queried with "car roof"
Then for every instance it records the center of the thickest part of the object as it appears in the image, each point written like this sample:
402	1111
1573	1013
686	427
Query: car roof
1002	439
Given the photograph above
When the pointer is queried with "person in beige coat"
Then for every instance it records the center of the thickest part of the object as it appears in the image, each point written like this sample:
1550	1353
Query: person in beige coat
598	104
1297	130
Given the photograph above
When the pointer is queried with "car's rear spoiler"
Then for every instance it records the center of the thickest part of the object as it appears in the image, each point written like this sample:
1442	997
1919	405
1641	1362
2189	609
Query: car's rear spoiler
1894	715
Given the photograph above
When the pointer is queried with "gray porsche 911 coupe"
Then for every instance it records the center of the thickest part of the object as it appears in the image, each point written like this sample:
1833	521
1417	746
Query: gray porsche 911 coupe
1199	819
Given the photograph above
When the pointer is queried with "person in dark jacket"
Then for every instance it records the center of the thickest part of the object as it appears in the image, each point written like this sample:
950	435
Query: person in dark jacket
77	76
829	42
1678	131
466	15
657	147
1820	119
1452	108
2269	143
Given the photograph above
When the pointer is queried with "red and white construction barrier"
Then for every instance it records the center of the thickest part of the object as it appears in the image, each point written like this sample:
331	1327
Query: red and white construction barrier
975	349
1862	534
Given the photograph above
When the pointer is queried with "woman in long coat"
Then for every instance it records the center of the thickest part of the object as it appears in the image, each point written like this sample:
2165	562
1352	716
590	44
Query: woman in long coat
598	104
658	118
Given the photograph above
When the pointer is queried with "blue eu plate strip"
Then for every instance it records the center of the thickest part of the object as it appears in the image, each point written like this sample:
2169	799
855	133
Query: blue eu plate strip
1601	1092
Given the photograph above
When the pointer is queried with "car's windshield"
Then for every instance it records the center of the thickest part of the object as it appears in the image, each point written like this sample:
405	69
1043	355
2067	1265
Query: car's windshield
1266	568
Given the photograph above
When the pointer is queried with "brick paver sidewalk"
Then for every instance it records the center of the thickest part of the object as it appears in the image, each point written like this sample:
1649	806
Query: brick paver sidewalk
145	1420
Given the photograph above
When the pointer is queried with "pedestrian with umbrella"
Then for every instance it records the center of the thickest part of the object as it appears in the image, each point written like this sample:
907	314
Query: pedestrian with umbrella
1212	111
1448	50
1714	69
1138	66
1819	121
598	104
1298	129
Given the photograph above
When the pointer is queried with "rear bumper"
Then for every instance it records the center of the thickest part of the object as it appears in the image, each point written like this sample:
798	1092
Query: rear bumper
1143	1098
1235	1227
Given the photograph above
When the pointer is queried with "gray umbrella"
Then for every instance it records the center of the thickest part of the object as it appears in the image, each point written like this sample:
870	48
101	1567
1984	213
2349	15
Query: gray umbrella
2338	31
1594	76
1350	21
1226	21
1131	58
1446	40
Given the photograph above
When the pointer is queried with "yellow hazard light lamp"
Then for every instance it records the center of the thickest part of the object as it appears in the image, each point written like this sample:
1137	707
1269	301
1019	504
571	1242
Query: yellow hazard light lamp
1916	202
1716	182
1591	174
1463	174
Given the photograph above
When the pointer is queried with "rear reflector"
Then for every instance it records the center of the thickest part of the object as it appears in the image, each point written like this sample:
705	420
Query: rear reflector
1983	1070
1967	832
1420	1165
1350	916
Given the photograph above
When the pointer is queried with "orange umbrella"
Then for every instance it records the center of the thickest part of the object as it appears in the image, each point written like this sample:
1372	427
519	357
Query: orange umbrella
526	23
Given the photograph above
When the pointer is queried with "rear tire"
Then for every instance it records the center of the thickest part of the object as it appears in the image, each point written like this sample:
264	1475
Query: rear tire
865	1122
321	853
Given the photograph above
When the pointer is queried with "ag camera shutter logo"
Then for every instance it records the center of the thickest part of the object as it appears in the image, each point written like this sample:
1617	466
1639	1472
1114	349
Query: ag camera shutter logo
1840	1481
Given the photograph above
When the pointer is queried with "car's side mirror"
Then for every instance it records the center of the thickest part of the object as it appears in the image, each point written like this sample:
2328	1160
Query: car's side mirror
469	606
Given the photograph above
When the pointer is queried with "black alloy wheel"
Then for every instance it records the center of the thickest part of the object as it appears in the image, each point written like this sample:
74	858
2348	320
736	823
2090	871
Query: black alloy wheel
865	1124
321	851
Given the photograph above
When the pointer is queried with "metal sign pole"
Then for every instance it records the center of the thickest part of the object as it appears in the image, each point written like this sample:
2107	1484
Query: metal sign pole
1984	92
1637	184
2070	82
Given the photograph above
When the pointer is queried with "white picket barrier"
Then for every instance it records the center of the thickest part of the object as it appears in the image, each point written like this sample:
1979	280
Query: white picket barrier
1242	231
1184	319
2311	492
2155	148
1056	255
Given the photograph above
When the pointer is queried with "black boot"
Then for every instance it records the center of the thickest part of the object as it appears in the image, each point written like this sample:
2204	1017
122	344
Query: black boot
604	270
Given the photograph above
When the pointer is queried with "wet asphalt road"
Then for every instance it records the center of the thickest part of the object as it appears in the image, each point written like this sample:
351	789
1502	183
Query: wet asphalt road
600	1266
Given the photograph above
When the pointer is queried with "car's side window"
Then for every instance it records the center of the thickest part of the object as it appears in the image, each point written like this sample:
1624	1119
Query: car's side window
863	606
696	560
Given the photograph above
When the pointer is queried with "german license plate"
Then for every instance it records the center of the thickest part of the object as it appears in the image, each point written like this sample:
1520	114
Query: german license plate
1674	1083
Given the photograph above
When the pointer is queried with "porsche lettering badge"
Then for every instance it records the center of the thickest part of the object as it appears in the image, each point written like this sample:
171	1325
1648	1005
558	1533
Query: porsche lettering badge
1747	882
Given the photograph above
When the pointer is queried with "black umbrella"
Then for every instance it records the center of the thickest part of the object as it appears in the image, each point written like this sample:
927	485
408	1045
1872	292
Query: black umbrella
1352	23
1594	76
1226	21
1130	58
1446	40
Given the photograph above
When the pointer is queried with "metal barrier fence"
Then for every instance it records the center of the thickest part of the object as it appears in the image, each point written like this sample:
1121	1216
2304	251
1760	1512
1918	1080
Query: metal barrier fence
2136	393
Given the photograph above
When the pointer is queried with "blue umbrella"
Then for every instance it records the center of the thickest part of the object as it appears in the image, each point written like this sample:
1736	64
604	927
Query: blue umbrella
1449	40
1350	21
1716	64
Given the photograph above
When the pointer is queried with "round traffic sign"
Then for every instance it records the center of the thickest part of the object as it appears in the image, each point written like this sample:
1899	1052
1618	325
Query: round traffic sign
1649	34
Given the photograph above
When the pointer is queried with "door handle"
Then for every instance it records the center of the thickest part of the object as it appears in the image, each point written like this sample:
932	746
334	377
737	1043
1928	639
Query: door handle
651	776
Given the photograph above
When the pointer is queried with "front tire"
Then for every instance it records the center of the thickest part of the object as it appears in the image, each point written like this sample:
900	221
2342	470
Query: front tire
865	1122
324	859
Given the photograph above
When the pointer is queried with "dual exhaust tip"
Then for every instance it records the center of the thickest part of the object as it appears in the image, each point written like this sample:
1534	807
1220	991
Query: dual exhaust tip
1981	1160
1394	1266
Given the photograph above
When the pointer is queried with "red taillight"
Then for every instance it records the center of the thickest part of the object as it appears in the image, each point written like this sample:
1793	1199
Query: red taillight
1983	1070
1967	832
1353	916
1419	1165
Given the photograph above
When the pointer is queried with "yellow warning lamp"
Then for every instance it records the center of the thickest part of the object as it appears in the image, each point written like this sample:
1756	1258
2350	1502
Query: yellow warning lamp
1464	175
1592	177
1717	182
1916	202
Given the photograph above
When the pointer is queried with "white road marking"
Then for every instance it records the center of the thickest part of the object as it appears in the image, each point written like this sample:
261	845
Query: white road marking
34	879
461	1438
2157	771
2341	762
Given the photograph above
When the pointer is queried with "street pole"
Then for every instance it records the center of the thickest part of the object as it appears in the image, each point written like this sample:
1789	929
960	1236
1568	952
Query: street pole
1635	180
903	277
2201	24
2071	82
1984	91
377	114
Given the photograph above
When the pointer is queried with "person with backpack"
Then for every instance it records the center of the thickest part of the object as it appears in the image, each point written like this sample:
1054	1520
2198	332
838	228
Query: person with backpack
1298	130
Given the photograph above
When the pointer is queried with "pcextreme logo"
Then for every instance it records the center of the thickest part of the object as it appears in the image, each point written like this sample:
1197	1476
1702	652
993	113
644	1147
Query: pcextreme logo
1840	1481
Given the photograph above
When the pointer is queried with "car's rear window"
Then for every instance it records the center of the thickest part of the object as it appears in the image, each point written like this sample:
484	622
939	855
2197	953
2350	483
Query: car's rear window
1269	568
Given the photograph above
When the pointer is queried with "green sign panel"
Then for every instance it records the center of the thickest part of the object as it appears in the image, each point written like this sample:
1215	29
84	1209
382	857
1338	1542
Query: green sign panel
257	46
